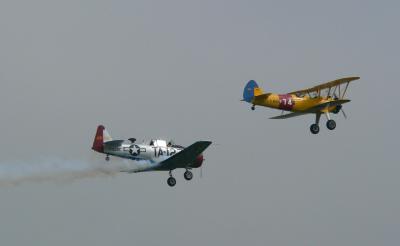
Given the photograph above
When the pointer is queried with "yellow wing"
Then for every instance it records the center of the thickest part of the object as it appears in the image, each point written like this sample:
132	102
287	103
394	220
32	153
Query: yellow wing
313	110
326	85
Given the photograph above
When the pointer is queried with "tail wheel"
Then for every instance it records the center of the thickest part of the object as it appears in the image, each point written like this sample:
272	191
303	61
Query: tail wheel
331	124
314	128
188	175
171	181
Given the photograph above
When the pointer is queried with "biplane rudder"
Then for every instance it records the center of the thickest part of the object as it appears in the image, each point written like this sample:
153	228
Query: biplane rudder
251	90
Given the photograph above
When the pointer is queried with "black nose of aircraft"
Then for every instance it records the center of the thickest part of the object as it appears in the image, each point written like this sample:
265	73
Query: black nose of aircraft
199	161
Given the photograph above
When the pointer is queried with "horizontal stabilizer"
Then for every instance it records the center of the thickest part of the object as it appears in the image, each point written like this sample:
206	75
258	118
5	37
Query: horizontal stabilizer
113	143
262	96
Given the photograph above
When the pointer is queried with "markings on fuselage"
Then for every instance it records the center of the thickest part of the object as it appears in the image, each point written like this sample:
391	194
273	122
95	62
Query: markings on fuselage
286	102
135	150
158	151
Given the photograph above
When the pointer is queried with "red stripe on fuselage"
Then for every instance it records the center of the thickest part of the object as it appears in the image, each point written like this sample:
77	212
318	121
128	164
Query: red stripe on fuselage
286	102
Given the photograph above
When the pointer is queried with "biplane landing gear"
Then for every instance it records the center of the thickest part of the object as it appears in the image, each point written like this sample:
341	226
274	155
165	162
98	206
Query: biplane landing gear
314	128
253	107
171	181
331	124
188	175
107	158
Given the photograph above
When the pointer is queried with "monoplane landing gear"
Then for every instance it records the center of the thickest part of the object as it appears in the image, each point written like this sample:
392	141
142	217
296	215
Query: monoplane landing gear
314	128
188	175
331	124
253	107
171	181
107	158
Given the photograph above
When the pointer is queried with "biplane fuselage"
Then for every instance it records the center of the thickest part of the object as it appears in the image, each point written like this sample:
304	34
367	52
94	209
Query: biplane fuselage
321	99
293	103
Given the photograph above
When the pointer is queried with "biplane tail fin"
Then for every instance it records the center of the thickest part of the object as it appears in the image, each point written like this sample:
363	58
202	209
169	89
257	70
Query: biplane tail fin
251	90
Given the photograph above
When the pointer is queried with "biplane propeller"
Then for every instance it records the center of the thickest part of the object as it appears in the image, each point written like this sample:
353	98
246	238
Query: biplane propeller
322	99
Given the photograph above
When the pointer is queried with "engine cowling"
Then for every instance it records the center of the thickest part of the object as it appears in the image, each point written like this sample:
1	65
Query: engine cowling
198	162
337	109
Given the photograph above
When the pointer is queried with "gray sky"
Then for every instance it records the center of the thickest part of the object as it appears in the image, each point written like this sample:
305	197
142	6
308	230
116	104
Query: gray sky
176	69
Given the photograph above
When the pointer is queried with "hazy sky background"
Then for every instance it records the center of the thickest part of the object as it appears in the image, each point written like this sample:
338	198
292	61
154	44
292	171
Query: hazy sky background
176	69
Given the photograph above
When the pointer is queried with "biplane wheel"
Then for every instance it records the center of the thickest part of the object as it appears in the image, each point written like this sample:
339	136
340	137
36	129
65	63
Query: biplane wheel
107	158
188	175
253	107
314	128
171	181
331	124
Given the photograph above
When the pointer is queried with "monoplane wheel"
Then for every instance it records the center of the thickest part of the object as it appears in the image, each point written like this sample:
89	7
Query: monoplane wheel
331	124
171	181
107	158
188	175
253	107
314	128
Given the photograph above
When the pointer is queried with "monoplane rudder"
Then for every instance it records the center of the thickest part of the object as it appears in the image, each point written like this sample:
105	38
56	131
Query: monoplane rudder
101	137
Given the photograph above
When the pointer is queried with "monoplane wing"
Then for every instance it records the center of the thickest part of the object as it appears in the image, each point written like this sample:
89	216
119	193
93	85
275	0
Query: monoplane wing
185	157
326	85
317	109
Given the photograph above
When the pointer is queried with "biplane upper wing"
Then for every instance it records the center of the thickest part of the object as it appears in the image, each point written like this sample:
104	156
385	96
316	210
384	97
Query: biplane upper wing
313	110
326	85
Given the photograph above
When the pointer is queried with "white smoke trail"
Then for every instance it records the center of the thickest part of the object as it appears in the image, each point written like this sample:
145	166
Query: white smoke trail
52	169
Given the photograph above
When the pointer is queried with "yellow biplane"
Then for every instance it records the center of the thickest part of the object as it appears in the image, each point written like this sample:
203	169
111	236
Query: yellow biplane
325	98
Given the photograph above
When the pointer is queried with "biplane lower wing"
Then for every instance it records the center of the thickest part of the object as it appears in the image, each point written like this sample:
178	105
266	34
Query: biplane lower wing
186	157
322	106
290	115
313	110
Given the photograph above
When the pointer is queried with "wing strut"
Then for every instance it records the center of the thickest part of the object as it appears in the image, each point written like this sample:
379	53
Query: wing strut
344	93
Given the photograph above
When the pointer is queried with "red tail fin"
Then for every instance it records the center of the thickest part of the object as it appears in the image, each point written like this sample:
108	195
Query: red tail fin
98	140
